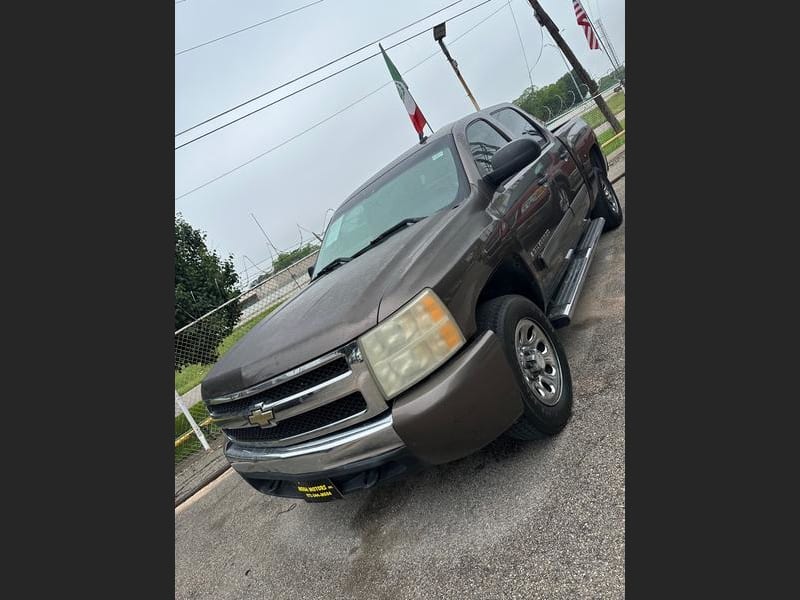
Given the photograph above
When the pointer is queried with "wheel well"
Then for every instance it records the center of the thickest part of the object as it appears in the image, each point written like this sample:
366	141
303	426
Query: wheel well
512	276
597	158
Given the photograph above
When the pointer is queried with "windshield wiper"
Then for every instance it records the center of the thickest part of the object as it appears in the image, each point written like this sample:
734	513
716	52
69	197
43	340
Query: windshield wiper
388	233
336	262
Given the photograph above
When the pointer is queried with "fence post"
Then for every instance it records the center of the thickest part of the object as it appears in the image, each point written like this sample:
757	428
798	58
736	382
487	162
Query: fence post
192	422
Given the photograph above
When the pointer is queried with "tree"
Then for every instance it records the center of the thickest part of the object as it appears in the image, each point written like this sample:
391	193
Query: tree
546	102
203	281
612	79
286	259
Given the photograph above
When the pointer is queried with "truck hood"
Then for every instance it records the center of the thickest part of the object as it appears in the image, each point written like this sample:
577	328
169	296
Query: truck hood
328	313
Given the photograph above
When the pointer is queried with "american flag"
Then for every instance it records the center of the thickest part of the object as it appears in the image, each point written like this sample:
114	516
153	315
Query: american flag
583	21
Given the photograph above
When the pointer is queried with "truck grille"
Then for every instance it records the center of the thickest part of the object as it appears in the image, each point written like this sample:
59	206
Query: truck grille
330	393
293	386
322	416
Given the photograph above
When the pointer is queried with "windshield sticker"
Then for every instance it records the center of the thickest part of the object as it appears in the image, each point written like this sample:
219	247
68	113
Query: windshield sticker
438	155
333	230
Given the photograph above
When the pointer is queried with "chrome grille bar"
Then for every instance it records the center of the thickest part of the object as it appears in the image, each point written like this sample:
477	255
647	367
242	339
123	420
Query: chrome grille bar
357	379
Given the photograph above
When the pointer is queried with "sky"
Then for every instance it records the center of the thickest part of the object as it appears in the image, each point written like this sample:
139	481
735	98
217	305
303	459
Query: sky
299	181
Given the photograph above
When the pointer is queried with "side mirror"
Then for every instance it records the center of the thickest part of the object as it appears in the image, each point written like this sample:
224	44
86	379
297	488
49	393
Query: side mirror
311	271
511	158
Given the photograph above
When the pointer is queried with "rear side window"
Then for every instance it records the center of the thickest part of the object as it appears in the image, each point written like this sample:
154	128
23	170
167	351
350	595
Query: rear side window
519	125
484	140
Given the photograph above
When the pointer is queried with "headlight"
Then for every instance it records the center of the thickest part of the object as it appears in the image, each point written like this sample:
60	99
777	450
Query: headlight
411	343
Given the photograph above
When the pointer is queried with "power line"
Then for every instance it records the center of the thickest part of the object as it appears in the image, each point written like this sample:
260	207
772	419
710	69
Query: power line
238	31
284	142
336	114
302	89
311	72
521	45
312	84
541	48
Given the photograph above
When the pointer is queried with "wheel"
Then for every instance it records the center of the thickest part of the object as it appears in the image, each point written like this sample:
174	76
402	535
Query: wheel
607	204
538	361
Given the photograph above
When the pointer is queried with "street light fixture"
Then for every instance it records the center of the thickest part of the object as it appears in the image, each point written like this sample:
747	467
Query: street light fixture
439	32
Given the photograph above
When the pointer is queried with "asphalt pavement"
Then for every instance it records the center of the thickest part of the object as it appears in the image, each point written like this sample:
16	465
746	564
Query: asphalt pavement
542	519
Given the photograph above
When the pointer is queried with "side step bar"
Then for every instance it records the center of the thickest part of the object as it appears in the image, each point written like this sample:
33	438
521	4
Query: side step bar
563	306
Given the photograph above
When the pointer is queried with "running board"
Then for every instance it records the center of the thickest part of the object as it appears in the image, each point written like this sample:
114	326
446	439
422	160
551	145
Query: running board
563	306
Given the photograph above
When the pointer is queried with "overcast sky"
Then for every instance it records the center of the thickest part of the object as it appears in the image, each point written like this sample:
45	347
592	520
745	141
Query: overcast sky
299	181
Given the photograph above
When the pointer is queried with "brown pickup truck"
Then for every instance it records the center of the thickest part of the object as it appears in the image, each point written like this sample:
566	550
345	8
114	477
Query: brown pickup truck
428	327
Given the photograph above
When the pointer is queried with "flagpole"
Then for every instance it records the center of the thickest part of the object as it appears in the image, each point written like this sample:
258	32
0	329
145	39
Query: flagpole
408	100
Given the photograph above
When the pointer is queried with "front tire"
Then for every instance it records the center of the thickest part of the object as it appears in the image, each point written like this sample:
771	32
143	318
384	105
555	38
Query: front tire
538	361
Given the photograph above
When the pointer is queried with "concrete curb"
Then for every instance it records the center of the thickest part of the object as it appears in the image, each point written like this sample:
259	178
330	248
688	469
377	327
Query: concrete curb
621	150
200	483
204	468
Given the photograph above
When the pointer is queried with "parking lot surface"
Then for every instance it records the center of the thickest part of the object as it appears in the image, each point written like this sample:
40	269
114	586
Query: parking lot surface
542	519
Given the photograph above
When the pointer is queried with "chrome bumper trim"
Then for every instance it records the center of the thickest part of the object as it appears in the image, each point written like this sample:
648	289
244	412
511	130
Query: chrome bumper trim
326	453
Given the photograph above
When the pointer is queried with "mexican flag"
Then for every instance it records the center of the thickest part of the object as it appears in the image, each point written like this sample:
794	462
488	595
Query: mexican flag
417	119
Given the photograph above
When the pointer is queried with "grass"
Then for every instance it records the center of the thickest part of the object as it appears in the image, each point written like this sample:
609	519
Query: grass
192	445
199	414
620	141
594	117
191	375
607	135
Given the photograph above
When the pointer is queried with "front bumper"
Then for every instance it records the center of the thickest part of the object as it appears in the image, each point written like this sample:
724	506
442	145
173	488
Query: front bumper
459	409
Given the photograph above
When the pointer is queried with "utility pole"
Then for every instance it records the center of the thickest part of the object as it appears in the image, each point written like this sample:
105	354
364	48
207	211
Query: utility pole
545	21
438	35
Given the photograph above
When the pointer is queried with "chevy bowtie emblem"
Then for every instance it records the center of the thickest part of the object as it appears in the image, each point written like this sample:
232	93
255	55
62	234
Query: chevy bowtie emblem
262	418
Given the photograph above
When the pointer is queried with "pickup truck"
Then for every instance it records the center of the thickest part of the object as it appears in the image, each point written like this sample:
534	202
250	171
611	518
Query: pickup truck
428	327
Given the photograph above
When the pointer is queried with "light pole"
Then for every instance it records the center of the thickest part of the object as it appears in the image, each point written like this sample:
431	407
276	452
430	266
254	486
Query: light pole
438	34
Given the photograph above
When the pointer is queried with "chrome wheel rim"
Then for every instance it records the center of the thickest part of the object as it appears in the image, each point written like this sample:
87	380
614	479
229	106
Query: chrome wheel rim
539	362
611	196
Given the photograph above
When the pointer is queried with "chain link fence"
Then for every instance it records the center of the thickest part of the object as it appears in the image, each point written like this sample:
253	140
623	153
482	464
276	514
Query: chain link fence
201	343
589	112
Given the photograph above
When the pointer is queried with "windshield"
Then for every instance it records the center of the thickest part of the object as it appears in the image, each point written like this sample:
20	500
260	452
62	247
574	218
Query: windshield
426	182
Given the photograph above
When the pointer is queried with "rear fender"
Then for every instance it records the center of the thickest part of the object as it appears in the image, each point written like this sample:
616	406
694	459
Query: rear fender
580	139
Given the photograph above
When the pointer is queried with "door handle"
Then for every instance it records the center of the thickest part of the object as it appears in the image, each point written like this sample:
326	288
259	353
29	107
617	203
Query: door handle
564	155
541	180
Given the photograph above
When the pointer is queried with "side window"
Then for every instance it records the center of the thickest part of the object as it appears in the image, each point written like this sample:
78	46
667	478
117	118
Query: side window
484	140
519	125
